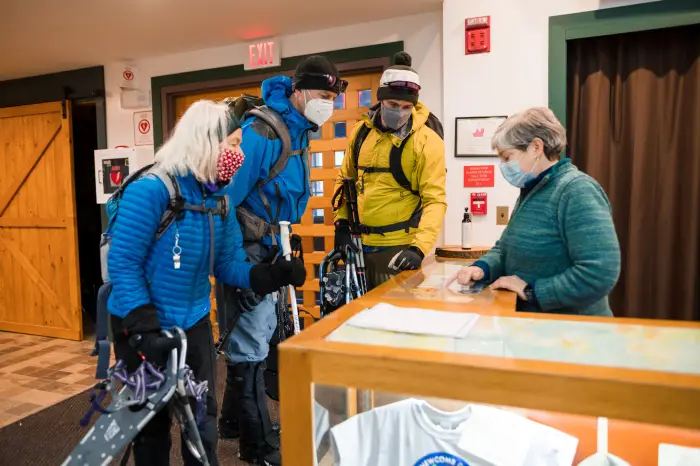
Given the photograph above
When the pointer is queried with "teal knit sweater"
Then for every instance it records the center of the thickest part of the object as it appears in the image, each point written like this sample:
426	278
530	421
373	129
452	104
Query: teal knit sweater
561	240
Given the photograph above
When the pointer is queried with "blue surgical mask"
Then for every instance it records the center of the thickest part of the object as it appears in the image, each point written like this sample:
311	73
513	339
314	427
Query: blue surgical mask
514	175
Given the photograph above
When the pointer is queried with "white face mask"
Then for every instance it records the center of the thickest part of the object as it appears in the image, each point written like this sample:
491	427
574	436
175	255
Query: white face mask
318	111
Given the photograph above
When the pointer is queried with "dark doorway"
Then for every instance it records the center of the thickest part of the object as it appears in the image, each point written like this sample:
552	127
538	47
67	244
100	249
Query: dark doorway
633	119
85	141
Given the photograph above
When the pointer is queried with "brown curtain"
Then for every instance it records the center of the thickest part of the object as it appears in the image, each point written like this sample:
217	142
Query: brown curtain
634	125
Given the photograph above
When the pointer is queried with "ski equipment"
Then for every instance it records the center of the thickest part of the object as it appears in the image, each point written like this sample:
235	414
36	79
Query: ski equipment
136	399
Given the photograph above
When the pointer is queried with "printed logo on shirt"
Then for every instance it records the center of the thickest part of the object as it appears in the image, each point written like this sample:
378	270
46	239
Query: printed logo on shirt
441	459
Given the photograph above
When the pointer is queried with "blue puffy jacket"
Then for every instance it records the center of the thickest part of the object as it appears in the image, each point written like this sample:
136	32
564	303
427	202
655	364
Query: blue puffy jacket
288	193
141	268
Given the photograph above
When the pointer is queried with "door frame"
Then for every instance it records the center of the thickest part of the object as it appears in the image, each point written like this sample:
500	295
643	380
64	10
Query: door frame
166	88
608	21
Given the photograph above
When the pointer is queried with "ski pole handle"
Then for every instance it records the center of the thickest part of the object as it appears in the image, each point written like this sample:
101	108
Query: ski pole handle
284	238
287	253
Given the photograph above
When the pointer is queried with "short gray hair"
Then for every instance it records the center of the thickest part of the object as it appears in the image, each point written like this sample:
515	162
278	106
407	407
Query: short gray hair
518	131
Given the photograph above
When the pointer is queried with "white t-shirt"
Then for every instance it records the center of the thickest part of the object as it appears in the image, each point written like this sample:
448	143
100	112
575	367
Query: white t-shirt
413	433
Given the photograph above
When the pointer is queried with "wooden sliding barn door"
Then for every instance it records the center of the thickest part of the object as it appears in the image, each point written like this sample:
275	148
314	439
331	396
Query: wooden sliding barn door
39	277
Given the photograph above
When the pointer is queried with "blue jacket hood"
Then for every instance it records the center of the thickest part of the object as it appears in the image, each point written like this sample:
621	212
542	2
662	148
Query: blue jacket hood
275	94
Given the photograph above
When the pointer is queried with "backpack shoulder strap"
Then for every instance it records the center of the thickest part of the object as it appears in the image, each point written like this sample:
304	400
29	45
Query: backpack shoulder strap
435	124
170	182
360	137
274	120
395	166
175	204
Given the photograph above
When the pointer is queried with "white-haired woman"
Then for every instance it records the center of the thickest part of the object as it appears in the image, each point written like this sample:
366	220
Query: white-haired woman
160	274
559	252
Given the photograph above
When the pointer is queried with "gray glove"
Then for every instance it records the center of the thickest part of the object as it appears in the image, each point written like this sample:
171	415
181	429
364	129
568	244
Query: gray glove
247	299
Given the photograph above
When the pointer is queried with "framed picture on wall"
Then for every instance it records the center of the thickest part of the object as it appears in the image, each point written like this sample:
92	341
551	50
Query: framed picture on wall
473	135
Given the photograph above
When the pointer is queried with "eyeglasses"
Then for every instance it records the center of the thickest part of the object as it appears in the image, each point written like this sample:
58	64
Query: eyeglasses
405	84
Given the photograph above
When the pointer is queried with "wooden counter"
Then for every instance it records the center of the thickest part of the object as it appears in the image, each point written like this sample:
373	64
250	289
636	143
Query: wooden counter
642	400
457	252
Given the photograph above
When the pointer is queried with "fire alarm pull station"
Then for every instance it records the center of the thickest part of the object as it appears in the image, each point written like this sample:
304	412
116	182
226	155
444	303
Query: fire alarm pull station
477	35
478	203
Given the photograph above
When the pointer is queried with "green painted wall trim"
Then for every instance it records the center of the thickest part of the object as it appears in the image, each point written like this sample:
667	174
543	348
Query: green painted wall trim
237	71
620	20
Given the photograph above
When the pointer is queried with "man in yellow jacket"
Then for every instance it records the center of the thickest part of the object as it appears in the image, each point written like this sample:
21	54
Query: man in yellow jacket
396	156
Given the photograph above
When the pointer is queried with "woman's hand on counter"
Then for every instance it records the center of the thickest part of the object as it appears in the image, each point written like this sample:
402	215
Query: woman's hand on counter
512	283
467	276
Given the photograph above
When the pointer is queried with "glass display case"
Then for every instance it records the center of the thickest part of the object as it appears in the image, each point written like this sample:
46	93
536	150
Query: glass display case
424	379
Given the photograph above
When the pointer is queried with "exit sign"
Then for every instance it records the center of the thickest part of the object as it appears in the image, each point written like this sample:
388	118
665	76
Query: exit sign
263	54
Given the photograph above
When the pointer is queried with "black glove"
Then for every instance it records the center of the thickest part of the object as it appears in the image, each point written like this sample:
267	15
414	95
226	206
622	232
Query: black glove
342	235
142	327
266	278
247	299
408	259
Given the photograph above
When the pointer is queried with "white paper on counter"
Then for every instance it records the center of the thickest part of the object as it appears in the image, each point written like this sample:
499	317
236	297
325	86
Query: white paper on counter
675	455
416	321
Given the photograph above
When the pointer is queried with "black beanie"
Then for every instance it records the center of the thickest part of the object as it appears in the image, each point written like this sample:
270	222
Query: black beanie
317	72
399	81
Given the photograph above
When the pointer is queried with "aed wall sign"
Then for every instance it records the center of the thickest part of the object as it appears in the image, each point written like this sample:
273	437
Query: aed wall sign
263	54
478	176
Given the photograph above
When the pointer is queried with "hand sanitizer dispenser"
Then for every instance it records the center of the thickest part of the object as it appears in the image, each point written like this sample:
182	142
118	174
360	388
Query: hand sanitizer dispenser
467	229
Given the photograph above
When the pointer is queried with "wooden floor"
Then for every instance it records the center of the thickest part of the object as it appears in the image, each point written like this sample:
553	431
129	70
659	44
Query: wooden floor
38	372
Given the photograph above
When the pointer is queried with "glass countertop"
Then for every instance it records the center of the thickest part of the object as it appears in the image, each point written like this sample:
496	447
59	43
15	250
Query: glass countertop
654	348
428	284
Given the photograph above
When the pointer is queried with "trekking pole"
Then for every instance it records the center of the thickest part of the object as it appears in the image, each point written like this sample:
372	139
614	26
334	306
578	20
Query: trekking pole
350	194
287	253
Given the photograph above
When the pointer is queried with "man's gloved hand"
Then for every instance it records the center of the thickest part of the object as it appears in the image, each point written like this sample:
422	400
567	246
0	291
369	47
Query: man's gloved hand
267	278
143	329
342	235
408	259
247	299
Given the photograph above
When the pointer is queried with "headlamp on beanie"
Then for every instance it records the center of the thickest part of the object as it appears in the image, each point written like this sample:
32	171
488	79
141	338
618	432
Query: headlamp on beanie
399	81
317	72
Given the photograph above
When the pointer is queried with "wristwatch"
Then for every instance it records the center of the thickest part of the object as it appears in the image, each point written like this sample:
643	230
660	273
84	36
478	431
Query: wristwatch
529	293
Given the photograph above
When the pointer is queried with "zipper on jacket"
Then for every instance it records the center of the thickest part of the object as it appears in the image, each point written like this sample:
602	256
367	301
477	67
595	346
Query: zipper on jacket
278	191
199	261
520	204
304	166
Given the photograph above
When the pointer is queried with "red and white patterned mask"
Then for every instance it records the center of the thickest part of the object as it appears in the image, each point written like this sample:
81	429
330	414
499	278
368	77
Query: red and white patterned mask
228	164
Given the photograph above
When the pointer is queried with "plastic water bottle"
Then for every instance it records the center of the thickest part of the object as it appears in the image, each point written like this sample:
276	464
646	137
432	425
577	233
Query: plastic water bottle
467	229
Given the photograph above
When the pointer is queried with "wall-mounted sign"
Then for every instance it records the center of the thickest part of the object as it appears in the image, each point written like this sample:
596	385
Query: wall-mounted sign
143	128
478	176
263	54
473	136
129	77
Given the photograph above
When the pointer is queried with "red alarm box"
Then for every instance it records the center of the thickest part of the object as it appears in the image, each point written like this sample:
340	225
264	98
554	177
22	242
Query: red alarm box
477	35
478	203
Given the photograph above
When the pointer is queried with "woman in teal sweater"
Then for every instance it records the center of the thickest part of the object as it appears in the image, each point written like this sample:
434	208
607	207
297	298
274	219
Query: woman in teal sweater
559	252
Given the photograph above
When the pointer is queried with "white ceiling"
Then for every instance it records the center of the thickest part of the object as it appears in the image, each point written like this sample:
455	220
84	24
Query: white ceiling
44	36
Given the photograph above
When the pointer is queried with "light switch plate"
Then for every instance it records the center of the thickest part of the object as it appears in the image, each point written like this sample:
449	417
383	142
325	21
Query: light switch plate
502	216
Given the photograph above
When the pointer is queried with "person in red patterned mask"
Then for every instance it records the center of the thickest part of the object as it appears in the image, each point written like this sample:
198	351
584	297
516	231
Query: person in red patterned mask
230	157
160	274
